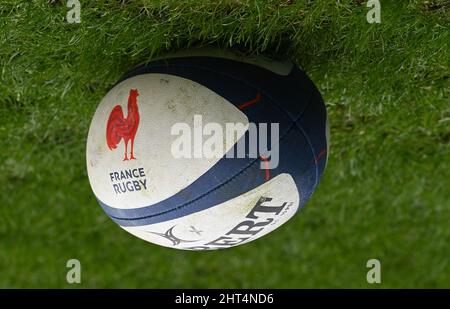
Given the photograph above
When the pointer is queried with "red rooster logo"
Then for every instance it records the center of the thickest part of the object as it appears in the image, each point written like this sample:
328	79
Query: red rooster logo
119	127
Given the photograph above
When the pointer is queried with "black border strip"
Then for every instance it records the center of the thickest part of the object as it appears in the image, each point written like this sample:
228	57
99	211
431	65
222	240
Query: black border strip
157	298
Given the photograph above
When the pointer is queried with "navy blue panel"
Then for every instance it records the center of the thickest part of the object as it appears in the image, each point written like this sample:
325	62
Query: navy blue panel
284	100
291	93
313	123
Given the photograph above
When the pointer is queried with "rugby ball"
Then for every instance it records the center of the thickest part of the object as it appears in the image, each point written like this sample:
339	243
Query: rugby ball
207	149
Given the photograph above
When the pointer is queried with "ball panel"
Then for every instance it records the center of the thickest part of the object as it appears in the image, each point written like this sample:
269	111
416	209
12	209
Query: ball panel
163	101
236	221
292	91
314	125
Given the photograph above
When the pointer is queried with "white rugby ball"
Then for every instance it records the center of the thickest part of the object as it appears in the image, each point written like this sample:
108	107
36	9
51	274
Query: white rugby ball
171	153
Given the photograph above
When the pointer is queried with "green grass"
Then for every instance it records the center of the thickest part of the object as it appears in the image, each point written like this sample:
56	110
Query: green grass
385	193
